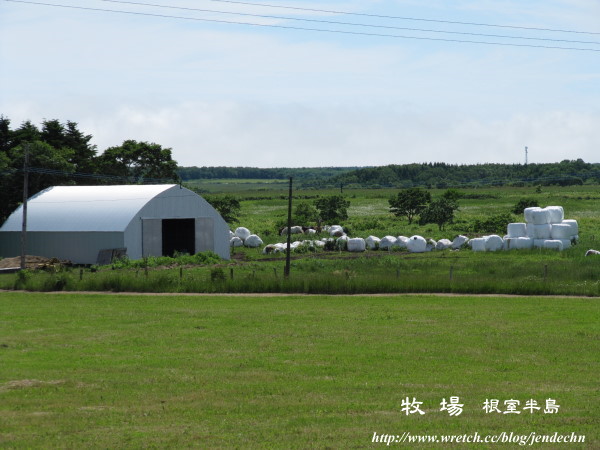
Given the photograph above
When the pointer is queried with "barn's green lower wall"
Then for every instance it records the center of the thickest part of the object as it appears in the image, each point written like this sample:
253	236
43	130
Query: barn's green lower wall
78	247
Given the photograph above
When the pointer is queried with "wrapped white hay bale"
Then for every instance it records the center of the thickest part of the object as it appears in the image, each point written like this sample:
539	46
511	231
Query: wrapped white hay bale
516	230
280	247
561	231
519	243
494	243
459	241
556	214
478	244
525	242
372	242
336	231
540	216
271	248
319	244
236	242
311	231
566	243
431	244
538	243
553	244
541	231
528	213
416	244
253	241
242	233
443	244
592	252
294	230
356	245
341	243
574	226
402	241
388	242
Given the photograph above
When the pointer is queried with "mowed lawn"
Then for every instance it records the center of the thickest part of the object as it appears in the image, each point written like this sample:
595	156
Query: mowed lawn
130	371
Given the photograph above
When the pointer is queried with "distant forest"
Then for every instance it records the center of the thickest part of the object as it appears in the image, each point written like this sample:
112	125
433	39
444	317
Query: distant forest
254	173
441	175
429	175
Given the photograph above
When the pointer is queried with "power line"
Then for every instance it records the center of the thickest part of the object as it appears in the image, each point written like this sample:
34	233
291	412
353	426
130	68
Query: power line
333	22
355	33
381	16
47	171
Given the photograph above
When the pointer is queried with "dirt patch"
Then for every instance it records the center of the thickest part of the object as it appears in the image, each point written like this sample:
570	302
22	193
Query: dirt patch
22	384
32	262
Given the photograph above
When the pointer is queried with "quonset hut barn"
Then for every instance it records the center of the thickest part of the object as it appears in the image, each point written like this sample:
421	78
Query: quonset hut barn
78	222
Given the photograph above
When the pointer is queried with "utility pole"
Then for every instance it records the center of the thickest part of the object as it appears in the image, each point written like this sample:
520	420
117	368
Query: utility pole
525	155
25	195
286	272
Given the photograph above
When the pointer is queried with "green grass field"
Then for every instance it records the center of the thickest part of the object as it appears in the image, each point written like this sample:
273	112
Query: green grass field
532	272
262	211
131	371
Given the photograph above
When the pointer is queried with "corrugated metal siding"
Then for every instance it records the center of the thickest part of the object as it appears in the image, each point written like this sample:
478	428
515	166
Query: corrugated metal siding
79	248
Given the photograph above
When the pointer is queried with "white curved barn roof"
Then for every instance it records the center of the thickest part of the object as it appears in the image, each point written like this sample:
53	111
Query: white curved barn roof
84	208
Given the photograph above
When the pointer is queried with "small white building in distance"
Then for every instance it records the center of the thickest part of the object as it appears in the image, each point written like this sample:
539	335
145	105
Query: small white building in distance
78	222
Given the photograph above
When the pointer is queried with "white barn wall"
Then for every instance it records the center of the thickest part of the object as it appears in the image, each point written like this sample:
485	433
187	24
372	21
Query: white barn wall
177	203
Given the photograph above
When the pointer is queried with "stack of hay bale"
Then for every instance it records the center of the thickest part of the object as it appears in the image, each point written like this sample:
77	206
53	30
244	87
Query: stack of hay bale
243	237
543	228
490	243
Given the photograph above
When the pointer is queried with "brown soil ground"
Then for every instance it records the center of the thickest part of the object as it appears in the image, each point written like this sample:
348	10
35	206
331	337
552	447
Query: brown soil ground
31	262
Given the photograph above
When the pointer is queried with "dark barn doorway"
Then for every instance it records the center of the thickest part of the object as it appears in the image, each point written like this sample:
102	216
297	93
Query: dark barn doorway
178	235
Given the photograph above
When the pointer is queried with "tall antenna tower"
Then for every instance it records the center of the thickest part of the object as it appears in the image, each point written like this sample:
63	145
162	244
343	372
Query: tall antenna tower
525	155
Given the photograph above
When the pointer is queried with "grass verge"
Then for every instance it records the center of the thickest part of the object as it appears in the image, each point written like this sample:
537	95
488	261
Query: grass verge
112	371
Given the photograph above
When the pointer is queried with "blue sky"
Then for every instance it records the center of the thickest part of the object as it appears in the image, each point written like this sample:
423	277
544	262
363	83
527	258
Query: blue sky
234	95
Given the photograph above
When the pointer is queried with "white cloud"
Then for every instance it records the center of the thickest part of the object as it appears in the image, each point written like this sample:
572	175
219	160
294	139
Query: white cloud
234	134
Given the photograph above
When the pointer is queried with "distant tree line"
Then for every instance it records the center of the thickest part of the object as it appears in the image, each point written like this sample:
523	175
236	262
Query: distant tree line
442	175
254	173
427	175
61	154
